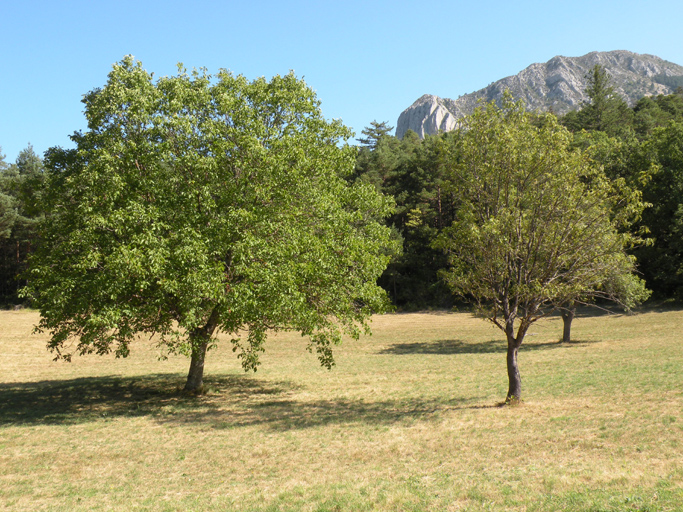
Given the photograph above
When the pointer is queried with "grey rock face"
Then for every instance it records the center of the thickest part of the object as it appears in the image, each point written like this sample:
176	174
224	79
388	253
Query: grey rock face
558	85
429	114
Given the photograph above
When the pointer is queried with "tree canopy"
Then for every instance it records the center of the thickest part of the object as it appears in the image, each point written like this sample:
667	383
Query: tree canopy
196	204
373	134
662	261
606	111
644	148
537	226
8	211
20	208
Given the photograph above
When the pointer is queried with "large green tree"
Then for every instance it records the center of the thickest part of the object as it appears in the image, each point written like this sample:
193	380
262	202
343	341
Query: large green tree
537	226
196	204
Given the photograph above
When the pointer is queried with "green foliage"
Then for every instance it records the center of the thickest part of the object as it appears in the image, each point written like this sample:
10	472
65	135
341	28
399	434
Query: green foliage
28	187
20	209
662	262
538	224
653	166
8	211
8	215
671	81
647	158
410	171
374	133
605	112
201	202
654	112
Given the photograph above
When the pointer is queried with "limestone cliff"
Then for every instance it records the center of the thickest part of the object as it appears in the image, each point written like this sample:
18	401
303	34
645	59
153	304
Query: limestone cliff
558	84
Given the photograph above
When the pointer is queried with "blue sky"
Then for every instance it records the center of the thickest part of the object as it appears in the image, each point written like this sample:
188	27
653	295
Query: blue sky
366	60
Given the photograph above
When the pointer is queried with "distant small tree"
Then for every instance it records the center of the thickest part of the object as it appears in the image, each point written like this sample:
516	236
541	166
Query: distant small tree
376	156
537	227
374	133
31	174
197	204
605	111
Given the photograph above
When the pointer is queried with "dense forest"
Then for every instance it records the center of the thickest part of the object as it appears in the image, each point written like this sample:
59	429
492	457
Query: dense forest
20	188
642	145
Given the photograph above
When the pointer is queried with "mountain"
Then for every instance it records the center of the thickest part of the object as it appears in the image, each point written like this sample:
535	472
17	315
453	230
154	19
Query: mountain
558	84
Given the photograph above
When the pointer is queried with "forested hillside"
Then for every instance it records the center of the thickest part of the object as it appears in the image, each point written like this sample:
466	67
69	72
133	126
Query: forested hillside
558	86
641	145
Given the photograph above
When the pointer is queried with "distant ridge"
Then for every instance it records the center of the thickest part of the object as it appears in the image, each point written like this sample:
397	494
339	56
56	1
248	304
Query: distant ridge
556	85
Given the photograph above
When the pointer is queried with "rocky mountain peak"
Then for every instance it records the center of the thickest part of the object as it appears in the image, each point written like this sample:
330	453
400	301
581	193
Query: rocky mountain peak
558	85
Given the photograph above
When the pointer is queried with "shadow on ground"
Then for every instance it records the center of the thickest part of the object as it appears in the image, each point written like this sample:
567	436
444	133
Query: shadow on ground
87	399
446	347
232	401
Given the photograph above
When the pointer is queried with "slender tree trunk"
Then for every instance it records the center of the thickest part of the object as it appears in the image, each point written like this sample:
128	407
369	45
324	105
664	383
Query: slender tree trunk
438	189
514	340
567	317
514	379
199	339
395	292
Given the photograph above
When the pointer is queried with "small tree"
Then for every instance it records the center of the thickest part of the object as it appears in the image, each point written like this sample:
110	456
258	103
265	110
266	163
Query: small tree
199	204
537	226
606	111
374	133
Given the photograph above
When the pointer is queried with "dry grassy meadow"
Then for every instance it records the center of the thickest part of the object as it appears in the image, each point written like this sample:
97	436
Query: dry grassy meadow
406	421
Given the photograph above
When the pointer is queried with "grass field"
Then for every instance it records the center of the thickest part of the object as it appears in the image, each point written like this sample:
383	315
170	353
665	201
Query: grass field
406	421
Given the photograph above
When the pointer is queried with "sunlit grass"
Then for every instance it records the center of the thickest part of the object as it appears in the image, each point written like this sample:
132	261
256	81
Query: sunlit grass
408	420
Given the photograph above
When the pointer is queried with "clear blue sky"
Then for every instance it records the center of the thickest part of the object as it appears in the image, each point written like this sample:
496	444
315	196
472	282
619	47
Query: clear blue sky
367	60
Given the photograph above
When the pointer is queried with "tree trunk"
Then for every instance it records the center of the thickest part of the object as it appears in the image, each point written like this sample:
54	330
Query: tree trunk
567	317
514	379
199	339
195	377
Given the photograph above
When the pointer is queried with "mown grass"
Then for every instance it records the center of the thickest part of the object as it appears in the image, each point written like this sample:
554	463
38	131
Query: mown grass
408	420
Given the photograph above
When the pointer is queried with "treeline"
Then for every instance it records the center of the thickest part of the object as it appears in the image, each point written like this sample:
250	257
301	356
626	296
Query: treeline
643	145
20	209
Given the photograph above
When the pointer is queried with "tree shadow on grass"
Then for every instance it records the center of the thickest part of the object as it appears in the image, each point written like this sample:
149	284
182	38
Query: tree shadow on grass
451	347
283	415
93	398
232	401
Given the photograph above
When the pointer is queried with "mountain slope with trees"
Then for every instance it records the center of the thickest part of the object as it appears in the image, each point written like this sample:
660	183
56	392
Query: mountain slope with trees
640	144
558	85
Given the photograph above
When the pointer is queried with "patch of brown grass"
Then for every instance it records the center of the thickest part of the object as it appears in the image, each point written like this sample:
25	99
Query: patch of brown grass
406	421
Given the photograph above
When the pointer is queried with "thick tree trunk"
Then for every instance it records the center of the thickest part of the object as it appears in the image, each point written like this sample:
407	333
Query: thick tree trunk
199	339
514	379
567	317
